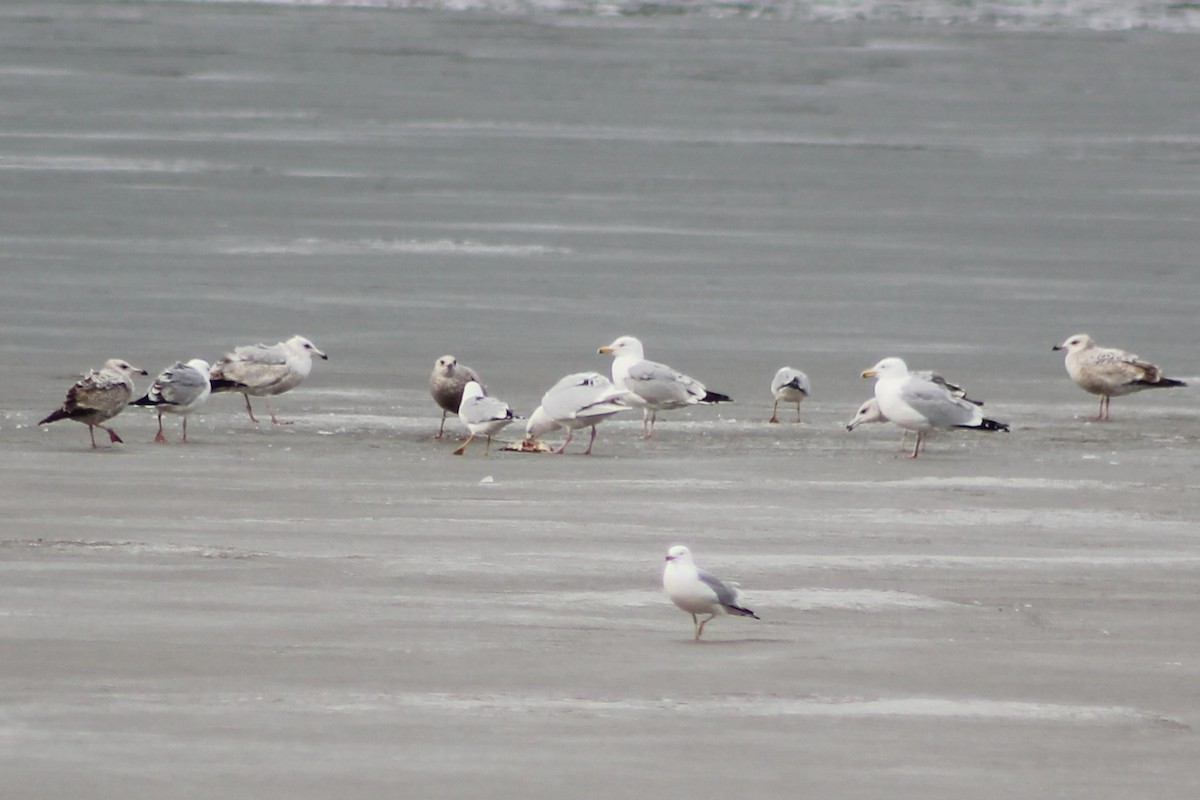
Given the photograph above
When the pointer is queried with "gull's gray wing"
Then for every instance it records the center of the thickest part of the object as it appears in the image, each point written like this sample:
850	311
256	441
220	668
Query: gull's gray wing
659	385
936	404
179	385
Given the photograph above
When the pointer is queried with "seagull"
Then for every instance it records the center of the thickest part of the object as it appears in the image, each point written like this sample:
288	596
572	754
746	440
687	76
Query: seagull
178	389
98	397
789	386
1109	372
580	400
265	370
654	387
446	384
698	592
921	405
869	411
482	415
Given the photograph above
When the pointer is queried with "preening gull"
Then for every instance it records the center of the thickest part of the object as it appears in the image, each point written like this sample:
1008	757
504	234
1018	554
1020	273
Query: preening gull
921	405
789	386
178	389
482	415
1109	372
98	397
265	370
580	400
654	387
698	592
446	385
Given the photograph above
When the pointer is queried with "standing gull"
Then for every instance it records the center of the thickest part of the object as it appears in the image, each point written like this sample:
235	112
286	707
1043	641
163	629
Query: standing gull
869	411
789	386
265	370
1109	372
482	415
655	387
98	397
921	405
179	389
446	385
698	592
580	400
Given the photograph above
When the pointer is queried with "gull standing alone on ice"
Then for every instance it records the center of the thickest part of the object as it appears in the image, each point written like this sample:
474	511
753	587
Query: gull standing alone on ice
654	387
482	415
789	386
922	405
1109	372
698	592
98	397
446	385
580	400
178	389
265	370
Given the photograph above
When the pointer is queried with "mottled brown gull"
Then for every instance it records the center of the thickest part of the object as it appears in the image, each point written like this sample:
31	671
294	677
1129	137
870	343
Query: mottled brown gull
262	370
98	397
1109	372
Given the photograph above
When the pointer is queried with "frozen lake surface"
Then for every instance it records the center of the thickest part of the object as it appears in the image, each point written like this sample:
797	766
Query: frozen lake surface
340	607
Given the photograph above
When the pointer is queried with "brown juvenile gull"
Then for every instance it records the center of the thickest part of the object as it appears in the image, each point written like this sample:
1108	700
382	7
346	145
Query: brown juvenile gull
446	384
178	389
98	397
789	386
1109	372
921	405
265	370
698	592
653	387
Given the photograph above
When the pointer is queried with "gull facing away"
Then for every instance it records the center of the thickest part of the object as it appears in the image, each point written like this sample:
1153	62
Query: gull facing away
789	386
698	592
262	370
921	405
1109	372
653	387
178	389
580	400
446	385
482	415
98	397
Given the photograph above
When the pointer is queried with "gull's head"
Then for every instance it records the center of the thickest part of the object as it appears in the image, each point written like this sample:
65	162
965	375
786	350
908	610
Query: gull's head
1080	341
445	365
890	367
122	367
200	365
301	345
624	346
679	553
867	412
472	391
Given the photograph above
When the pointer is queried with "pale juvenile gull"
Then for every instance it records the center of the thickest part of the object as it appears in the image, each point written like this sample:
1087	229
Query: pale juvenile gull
446	385
1109	372
921	405
98	397
580	400
482	415
178	389
698	592
262	370
789	386
654	387
868	412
